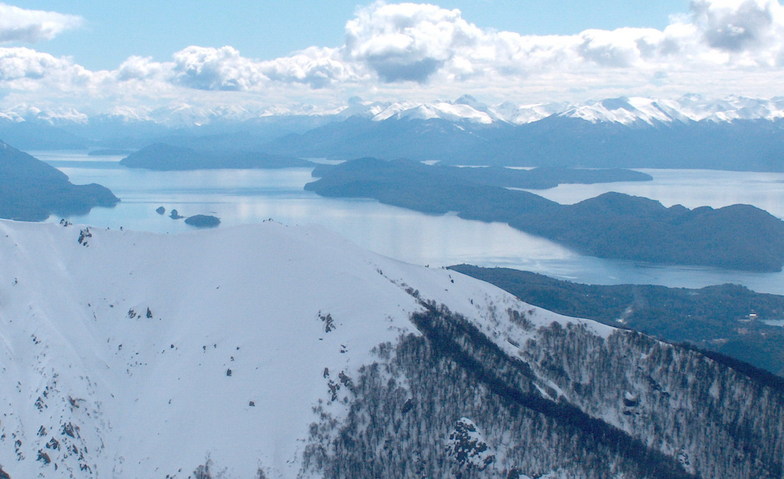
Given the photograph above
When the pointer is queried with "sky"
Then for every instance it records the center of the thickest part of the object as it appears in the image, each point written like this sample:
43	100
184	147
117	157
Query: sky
265	29
99	56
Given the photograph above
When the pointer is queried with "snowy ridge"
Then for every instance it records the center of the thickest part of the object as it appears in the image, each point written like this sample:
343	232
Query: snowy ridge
440	110
137	355
627	111
624	111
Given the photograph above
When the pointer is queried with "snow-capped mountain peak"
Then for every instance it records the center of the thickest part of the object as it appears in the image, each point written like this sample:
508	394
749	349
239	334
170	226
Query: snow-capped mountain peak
455	112
467	109
628	111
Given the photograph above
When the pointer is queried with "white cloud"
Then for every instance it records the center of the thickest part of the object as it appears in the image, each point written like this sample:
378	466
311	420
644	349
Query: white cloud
21	25
141	68
422	52
316	67
739	25
216	69
24	68
408	41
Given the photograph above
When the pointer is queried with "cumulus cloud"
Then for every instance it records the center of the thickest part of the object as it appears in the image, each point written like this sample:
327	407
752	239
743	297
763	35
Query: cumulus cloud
141	68
29	26
410	49
408	41
224	68
216	69
316	67
24	68
416	42
739	25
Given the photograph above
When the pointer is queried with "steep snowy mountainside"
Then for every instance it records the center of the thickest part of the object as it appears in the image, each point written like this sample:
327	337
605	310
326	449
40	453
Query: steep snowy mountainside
144	346
287	352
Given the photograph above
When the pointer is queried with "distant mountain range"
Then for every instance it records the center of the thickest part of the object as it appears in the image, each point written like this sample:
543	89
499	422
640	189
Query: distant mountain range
734	133
623	110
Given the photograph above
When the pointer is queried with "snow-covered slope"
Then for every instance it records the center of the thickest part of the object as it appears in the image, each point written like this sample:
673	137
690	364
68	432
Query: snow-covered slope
268	351
429	111
135	355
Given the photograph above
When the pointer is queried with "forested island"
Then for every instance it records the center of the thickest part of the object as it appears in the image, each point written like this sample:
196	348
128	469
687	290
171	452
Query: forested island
31	190
540	178
611	225
165	157
203	221
728	318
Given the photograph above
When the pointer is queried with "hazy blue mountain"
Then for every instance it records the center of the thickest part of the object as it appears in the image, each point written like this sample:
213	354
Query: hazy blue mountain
691	132
743	145
215	133
748	145
31	190
167	157
433	139
29	135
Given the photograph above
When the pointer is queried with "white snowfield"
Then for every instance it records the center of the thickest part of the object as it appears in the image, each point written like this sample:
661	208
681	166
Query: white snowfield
136	355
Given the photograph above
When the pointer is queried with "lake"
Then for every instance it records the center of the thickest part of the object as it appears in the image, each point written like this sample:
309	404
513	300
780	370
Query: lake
250	196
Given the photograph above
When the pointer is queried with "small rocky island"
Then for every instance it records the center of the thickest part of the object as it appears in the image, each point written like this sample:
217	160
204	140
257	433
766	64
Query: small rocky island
203	221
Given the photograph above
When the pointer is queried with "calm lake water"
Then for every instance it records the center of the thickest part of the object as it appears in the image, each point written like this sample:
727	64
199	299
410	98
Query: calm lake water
250	196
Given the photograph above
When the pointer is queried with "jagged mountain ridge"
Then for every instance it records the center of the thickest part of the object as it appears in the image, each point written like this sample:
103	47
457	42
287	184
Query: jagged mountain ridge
622	110
735	133
282	352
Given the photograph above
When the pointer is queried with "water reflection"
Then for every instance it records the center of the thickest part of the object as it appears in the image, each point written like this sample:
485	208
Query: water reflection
690	188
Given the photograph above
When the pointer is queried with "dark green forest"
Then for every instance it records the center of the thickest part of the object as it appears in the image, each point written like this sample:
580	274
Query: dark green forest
727	319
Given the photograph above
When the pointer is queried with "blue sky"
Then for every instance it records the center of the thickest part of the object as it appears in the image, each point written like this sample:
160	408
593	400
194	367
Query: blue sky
132	57
117	29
